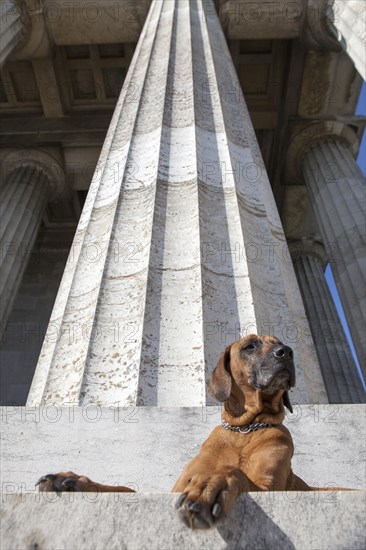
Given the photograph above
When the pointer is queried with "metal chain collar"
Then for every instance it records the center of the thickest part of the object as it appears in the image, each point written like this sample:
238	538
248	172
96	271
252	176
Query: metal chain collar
246	429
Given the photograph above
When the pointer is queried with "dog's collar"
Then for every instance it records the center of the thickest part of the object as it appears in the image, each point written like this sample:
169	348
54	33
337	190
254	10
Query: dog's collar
247	428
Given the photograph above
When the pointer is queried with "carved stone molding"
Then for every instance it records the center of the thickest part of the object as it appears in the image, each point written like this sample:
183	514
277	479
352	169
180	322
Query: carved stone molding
49	162
12	29
318	32
307	246
306	136
36	42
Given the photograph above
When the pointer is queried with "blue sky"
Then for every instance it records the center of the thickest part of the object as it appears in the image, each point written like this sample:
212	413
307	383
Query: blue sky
361	110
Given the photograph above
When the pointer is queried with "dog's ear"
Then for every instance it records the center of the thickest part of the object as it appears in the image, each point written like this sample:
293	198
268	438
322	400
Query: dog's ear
286	401
220	382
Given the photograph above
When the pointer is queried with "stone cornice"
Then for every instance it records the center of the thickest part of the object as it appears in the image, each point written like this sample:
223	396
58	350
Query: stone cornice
309	20
61	22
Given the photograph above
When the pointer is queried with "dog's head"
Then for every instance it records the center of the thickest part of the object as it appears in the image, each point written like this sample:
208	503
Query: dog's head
259	366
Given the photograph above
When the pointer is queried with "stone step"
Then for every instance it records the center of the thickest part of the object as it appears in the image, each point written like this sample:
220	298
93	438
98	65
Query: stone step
148	447
89	521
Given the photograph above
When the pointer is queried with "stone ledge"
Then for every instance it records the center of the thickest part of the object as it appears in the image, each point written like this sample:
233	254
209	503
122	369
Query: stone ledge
90	521
148	447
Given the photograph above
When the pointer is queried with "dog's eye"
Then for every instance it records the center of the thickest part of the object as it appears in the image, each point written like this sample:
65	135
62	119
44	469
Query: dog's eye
249	347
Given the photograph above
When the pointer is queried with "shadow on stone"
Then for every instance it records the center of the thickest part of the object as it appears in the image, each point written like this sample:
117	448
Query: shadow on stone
248	526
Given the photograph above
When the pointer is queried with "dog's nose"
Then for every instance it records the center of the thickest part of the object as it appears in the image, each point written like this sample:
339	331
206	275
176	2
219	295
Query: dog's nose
283	352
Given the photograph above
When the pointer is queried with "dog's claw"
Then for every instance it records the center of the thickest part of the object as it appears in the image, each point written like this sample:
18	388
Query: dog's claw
48	477
68	483
216	510
195	506
180	500
63	481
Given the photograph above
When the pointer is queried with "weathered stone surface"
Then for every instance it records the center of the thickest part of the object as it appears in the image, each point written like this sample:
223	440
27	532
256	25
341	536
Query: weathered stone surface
180	248
148	447
317	521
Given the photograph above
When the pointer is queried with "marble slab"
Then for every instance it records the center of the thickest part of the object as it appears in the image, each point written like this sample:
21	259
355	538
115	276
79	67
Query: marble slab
150	522
147	447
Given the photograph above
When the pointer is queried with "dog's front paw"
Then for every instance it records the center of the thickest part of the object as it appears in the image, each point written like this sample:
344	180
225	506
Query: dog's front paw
206	500
66	481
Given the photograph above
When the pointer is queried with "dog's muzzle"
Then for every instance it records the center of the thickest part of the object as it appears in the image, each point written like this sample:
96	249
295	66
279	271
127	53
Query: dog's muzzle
277	371
285	359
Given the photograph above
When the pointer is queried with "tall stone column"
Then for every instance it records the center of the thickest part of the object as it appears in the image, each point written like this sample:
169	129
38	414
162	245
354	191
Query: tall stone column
23	200
336	187
339	371
11	28
349	18
180	248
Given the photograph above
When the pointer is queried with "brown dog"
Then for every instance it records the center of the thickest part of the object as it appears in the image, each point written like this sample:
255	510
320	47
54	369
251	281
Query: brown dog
251	451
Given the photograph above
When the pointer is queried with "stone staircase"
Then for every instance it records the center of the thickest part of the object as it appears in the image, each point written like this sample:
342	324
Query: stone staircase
147	448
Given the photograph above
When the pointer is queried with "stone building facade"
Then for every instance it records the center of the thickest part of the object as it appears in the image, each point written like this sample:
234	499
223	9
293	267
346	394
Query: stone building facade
224	166
176	174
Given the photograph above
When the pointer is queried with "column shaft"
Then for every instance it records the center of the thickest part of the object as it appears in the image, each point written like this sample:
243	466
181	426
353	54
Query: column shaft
350	20
22	203
11	29
339	371
337	190
179	249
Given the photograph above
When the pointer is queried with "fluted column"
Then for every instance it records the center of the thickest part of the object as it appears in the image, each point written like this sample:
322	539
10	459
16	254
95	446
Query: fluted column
22	203
336	187
349	18
11	28
180	247
339	371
